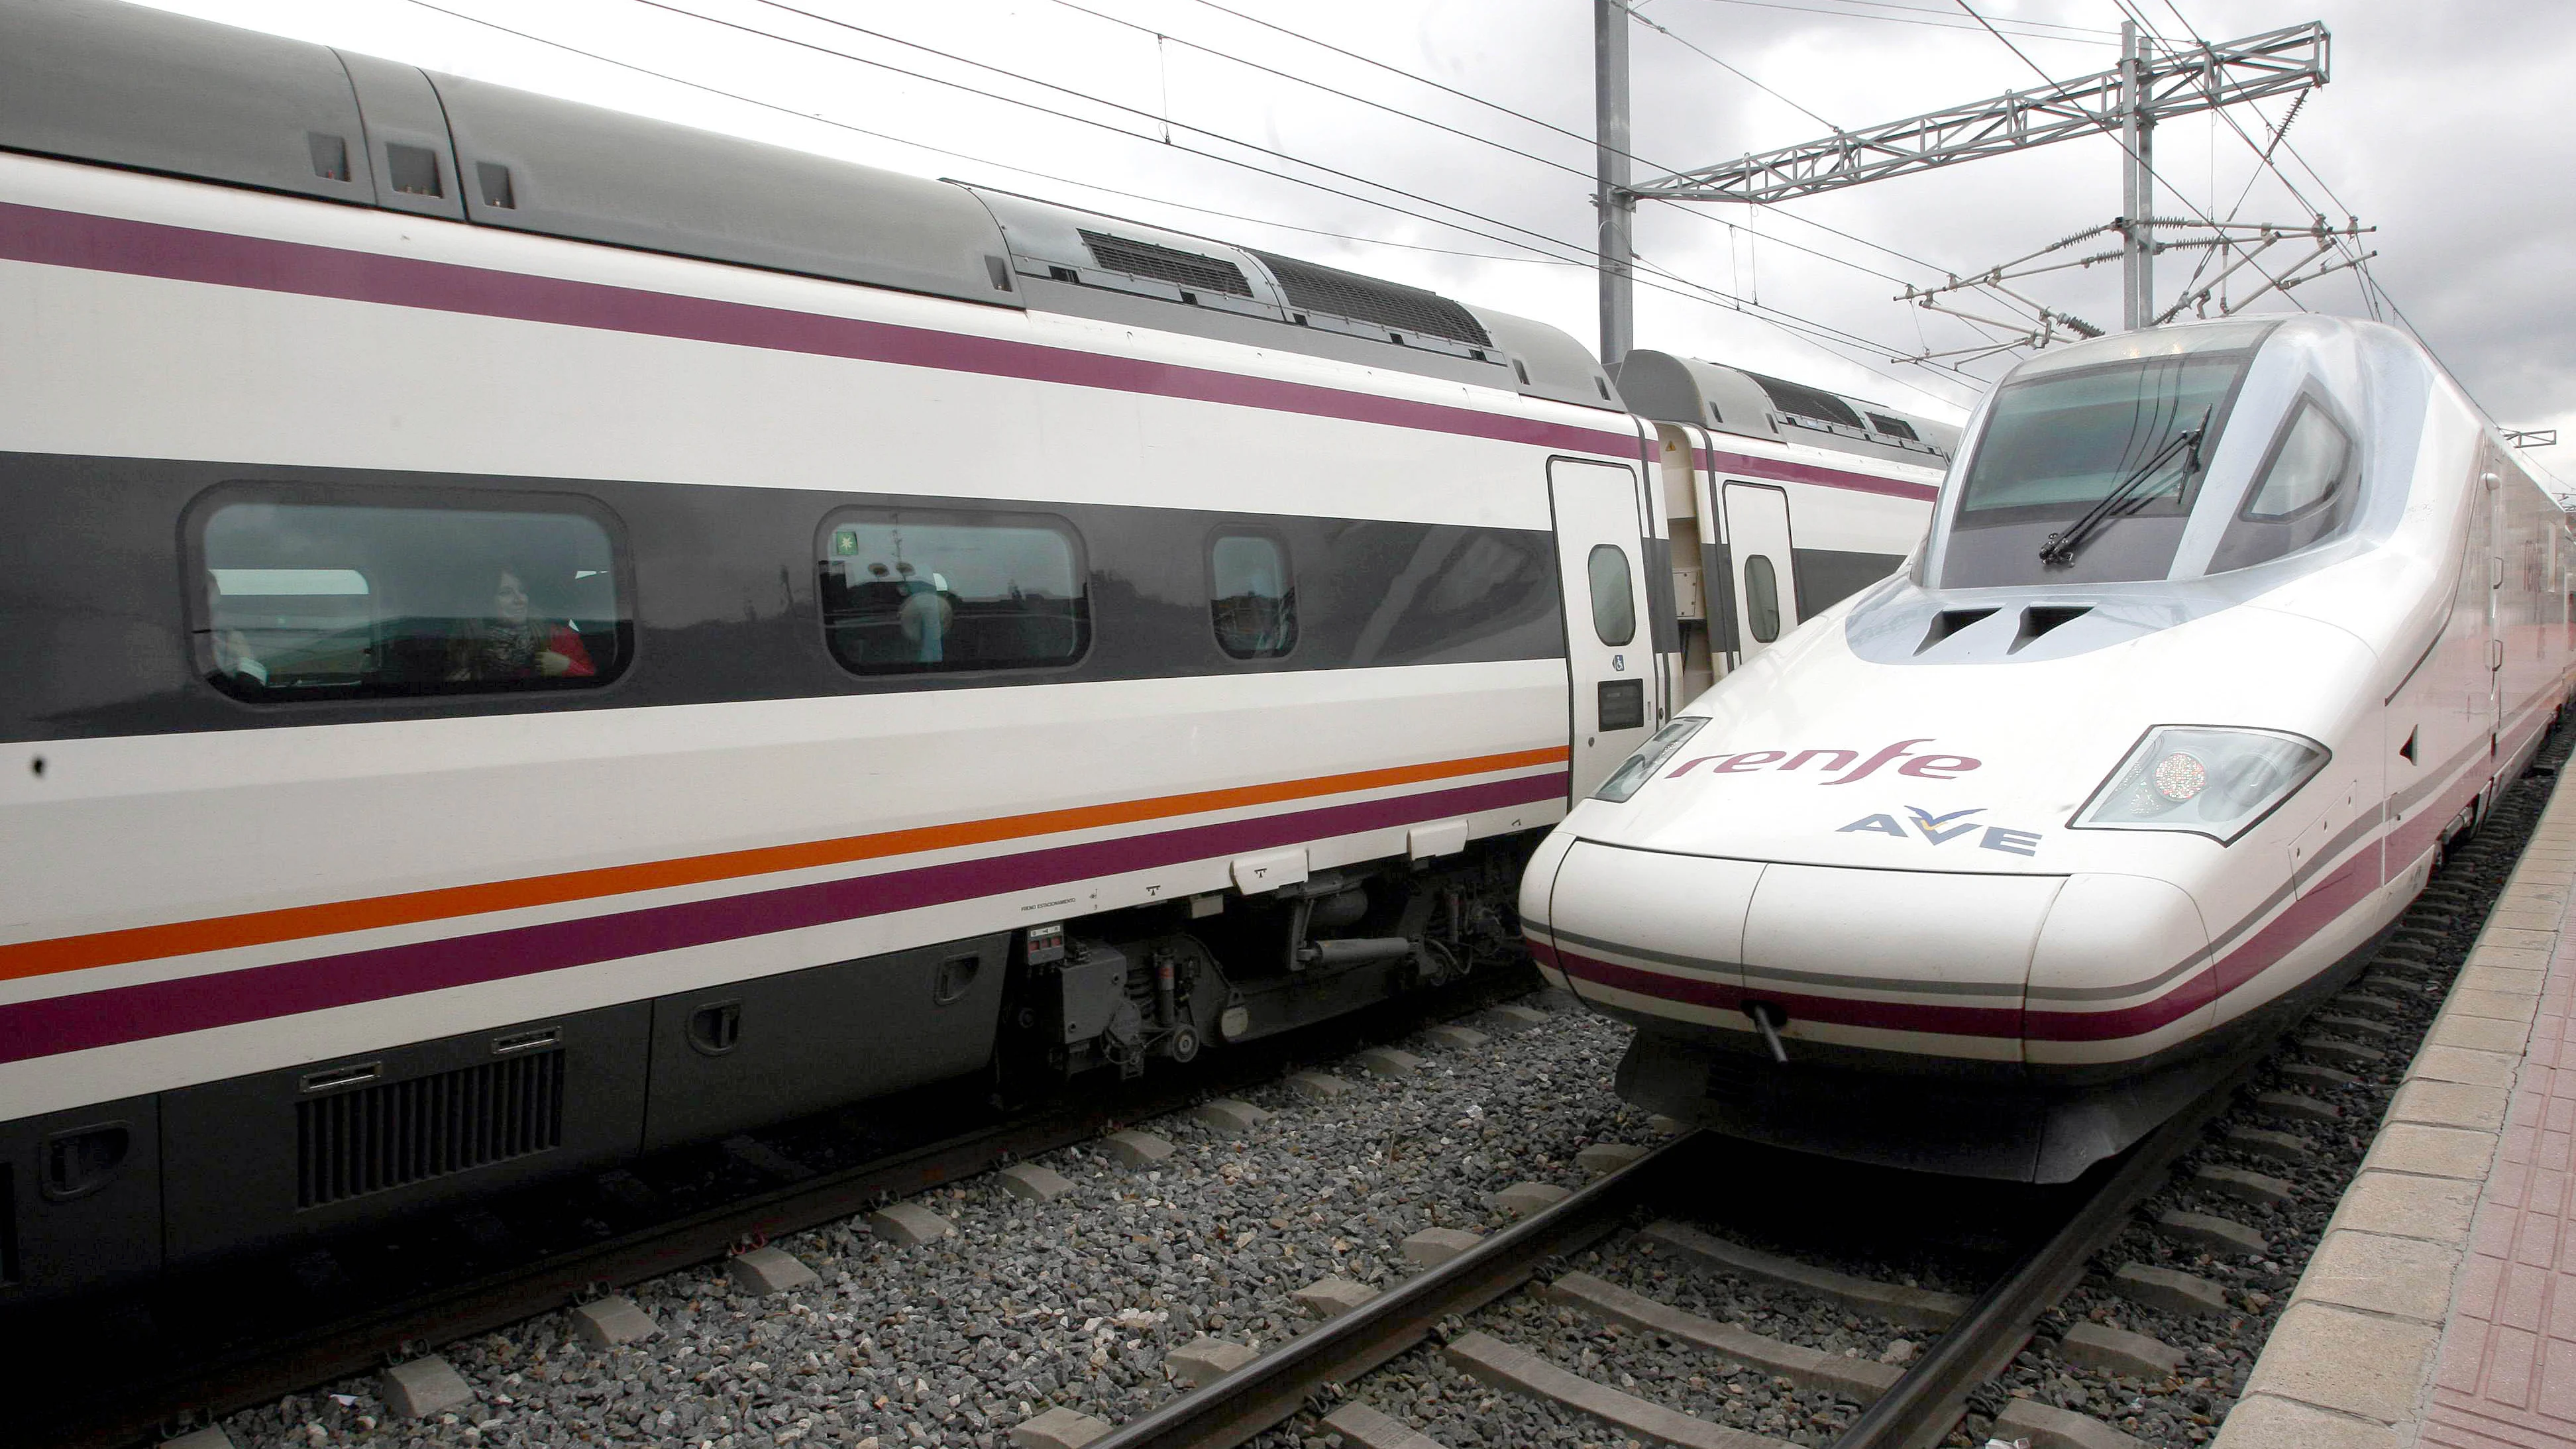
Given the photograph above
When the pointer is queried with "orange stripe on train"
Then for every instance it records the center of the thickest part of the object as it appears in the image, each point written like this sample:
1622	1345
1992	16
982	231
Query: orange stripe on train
292	923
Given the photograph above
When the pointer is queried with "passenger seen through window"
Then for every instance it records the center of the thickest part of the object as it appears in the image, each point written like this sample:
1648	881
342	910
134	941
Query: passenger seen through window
323	599
916	591
1250	597
508	643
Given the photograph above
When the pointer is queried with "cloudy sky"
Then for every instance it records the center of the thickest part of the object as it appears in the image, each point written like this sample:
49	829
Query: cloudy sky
1446	143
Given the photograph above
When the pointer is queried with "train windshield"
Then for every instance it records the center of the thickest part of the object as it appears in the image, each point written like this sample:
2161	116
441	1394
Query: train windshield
2088	475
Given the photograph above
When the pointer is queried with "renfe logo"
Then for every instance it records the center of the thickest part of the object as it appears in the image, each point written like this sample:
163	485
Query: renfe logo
1921	767
1939	830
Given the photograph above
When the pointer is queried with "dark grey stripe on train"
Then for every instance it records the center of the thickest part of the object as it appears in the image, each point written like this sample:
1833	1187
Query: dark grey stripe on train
102	629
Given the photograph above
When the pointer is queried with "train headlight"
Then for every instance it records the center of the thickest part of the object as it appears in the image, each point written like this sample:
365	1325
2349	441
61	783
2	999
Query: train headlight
2179	776
2202	780
1629	778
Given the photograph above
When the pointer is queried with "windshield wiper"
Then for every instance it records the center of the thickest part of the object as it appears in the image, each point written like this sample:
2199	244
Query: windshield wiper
2127	497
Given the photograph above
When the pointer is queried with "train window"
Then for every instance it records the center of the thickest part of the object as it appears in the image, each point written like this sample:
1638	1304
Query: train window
2056	448
2305	468
2301	494
1252	596
1761	598
325	600
914	591
1614	604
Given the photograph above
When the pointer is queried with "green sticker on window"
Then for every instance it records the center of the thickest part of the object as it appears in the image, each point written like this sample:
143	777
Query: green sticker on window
845	543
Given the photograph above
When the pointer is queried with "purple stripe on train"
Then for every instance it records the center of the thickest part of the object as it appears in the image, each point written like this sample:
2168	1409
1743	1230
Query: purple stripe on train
93	1019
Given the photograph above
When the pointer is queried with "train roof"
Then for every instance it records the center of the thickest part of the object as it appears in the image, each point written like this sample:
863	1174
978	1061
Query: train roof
118	84
1727	399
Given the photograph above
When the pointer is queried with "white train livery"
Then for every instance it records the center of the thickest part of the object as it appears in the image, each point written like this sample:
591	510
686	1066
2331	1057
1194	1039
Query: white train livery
2219	633
536	636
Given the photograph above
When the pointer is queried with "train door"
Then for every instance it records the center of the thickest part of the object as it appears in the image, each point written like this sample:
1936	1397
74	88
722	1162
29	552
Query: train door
2493	545
1757	537
1609	647
2442	718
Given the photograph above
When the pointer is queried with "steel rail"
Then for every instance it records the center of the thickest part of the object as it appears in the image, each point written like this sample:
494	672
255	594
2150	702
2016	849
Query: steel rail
338	1348
1924	1405
151	1403
1916	1413
1267	1390
1921	1408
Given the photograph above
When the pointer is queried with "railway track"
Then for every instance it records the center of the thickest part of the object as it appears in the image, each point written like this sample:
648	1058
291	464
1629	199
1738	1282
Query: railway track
1895	1408
194	1350
1710	1294
2236	1188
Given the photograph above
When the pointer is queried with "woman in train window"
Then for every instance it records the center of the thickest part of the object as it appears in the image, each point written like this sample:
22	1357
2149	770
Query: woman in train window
511	643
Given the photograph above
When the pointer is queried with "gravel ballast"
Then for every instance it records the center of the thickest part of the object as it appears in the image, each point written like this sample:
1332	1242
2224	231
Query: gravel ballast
1424	1392
1073	1302
1781	1313
1077	1299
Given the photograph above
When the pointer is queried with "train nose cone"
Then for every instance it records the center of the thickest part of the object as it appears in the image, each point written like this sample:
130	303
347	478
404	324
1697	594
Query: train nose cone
1918	963
2015	1026
1655	932
1898	970
2122	971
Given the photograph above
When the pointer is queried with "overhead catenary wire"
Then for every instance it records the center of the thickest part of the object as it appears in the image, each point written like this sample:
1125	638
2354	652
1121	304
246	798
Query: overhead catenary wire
2374	294
2328	187
1683	287
2351	247
1693	212
1809	325
1815	333
1068	91
2126	149
1754	236
1543	238
1640	16
2262	153
1524	153
1582	137
1312	83
954	154
1939	20
1570	169
2277	139
2354	258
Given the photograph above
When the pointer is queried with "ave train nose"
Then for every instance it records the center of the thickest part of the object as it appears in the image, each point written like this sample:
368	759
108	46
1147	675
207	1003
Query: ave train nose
1925	1017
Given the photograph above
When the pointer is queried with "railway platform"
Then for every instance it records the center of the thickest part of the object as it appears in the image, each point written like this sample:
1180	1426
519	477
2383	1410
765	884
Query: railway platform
2440	1307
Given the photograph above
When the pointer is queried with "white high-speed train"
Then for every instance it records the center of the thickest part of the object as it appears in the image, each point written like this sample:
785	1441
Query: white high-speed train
2220	632
535	636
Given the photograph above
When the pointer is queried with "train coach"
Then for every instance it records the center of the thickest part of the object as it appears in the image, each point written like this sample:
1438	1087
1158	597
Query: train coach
2220	632
537	636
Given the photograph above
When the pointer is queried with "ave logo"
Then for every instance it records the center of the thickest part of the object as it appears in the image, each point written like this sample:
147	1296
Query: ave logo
1942	829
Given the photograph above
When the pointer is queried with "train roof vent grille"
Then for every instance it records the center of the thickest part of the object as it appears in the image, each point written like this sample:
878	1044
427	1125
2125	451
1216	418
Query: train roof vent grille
1894	427
350	1144
1166	264
1949	622
2040	619
1799	400
1389	304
